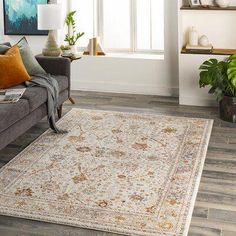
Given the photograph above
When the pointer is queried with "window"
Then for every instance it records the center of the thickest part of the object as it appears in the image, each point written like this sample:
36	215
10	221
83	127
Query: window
123	25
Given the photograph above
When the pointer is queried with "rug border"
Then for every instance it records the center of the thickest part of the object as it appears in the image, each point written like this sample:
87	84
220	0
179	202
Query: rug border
208	133
112	229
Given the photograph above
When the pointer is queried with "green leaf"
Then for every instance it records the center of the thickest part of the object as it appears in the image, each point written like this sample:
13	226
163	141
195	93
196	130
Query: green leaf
212	90
70	22
233	81
218	74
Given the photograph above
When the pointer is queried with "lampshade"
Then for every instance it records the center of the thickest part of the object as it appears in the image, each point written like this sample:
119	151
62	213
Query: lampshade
49	17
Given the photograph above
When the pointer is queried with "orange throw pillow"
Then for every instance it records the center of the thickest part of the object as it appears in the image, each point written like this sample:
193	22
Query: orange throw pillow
12	69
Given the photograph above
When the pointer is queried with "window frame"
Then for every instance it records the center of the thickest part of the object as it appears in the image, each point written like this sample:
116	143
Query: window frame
98	28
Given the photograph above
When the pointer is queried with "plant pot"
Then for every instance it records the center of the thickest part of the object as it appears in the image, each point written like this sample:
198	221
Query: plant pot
73	49
66	52
228	109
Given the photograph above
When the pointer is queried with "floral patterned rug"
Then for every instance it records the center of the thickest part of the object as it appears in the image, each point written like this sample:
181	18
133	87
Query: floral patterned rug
126	173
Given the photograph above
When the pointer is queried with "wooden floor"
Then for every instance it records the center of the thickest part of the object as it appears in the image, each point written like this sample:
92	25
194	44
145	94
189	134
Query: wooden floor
215	208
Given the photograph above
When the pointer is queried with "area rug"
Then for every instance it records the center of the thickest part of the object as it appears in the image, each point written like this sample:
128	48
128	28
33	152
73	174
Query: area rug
126	173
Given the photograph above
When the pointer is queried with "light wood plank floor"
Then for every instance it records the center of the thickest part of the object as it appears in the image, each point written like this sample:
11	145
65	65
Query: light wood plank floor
215	208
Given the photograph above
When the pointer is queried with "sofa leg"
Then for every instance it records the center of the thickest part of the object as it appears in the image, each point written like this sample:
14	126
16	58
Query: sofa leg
72	100
59	111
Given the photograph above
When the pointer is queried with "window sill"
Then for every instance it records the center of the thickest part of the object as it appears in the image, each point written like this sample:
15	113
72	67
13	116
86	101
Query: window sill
146	56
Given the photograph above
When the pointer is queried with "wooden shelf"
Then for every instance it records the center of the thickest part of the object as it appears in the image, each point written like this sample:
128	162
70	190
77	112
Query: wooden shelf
211	8
216	51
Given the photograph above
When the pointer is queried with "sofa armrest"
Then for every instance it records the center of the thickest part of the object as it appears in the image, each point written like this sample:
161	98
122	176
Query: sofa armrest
55	65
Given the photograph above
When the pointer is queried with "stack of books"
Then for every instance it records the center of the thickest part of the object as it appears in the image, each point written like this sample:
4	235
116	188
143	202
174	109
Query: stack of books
199	49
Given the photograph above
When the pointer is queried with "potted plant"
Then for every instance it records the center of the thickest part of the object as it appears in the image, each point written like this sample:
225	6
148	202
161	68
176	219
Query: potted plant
66	49
221	76
72	36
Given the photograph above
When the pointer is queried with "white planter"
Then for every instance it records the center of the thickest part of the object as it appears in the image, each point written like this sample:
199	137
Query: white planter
73	49
66	52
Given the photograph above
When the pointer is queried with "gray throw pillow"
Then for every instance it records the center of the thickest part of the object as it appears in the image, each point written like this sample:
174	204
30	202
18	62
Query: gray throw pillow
31	64
7	44
3	48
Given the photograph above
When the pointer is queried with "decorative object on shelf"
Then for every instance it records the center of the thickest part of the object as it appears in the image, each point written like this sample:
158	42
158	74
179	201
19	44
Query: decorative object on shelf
194	3
66	50
221	76
49	18
206	3
72	58
223	3
215	51
199	49
94	48
204	41
72	36
193	37
20	17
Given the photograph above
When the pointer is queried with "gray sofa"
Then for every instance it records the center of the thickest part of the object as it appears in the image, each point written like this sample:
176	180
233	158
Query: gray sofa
16	119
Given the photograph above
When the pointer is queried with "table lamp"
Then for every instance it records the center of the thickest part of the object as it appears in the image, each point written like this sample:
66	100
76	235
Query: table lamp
50	18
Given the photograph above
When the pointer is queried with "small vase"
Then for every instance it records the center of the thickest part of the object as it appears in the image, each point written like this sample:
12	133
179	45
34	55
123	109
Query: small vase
206	3
223	3
193	37
66	52
73	49
204	41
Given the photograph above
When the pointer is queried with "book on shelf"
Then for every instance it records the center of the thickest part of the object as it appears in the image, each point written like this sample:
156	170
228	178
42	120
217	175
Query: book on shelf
199	49
94	48
11	95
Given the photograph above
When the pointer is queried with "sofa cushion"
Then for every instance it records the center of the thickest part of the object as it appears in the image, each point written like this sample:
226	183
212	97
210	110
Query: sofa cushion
4	47
31	64
6	43
11	113
37	96
12	71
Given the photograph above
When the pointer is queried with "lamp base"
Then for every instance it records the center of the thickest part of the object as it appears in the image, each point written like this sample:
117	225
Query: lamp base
51	48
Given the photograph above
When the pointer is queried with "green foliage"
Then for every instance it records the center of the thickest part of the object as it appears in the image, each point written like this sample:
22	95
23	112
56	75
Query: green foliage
65	47
72	37
231	72
220	75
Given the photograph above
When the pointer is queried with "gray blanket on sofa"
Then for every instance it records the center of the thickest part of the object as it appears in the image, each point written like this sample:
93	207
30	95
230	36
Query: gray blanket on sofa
51	85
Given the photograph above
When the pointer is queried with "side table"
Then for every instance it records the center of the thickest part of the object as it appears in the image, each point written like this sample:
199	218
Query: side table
72	58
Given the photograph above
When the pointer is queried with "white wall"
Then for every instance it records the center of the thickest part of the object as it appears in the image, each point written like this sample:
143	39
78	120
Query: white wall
36	42
142	76
217	25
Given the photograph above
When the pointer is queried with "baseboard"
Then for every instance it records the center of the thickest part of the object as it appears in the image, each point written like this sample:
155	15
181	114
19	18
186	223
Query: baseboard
144	89
197	101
